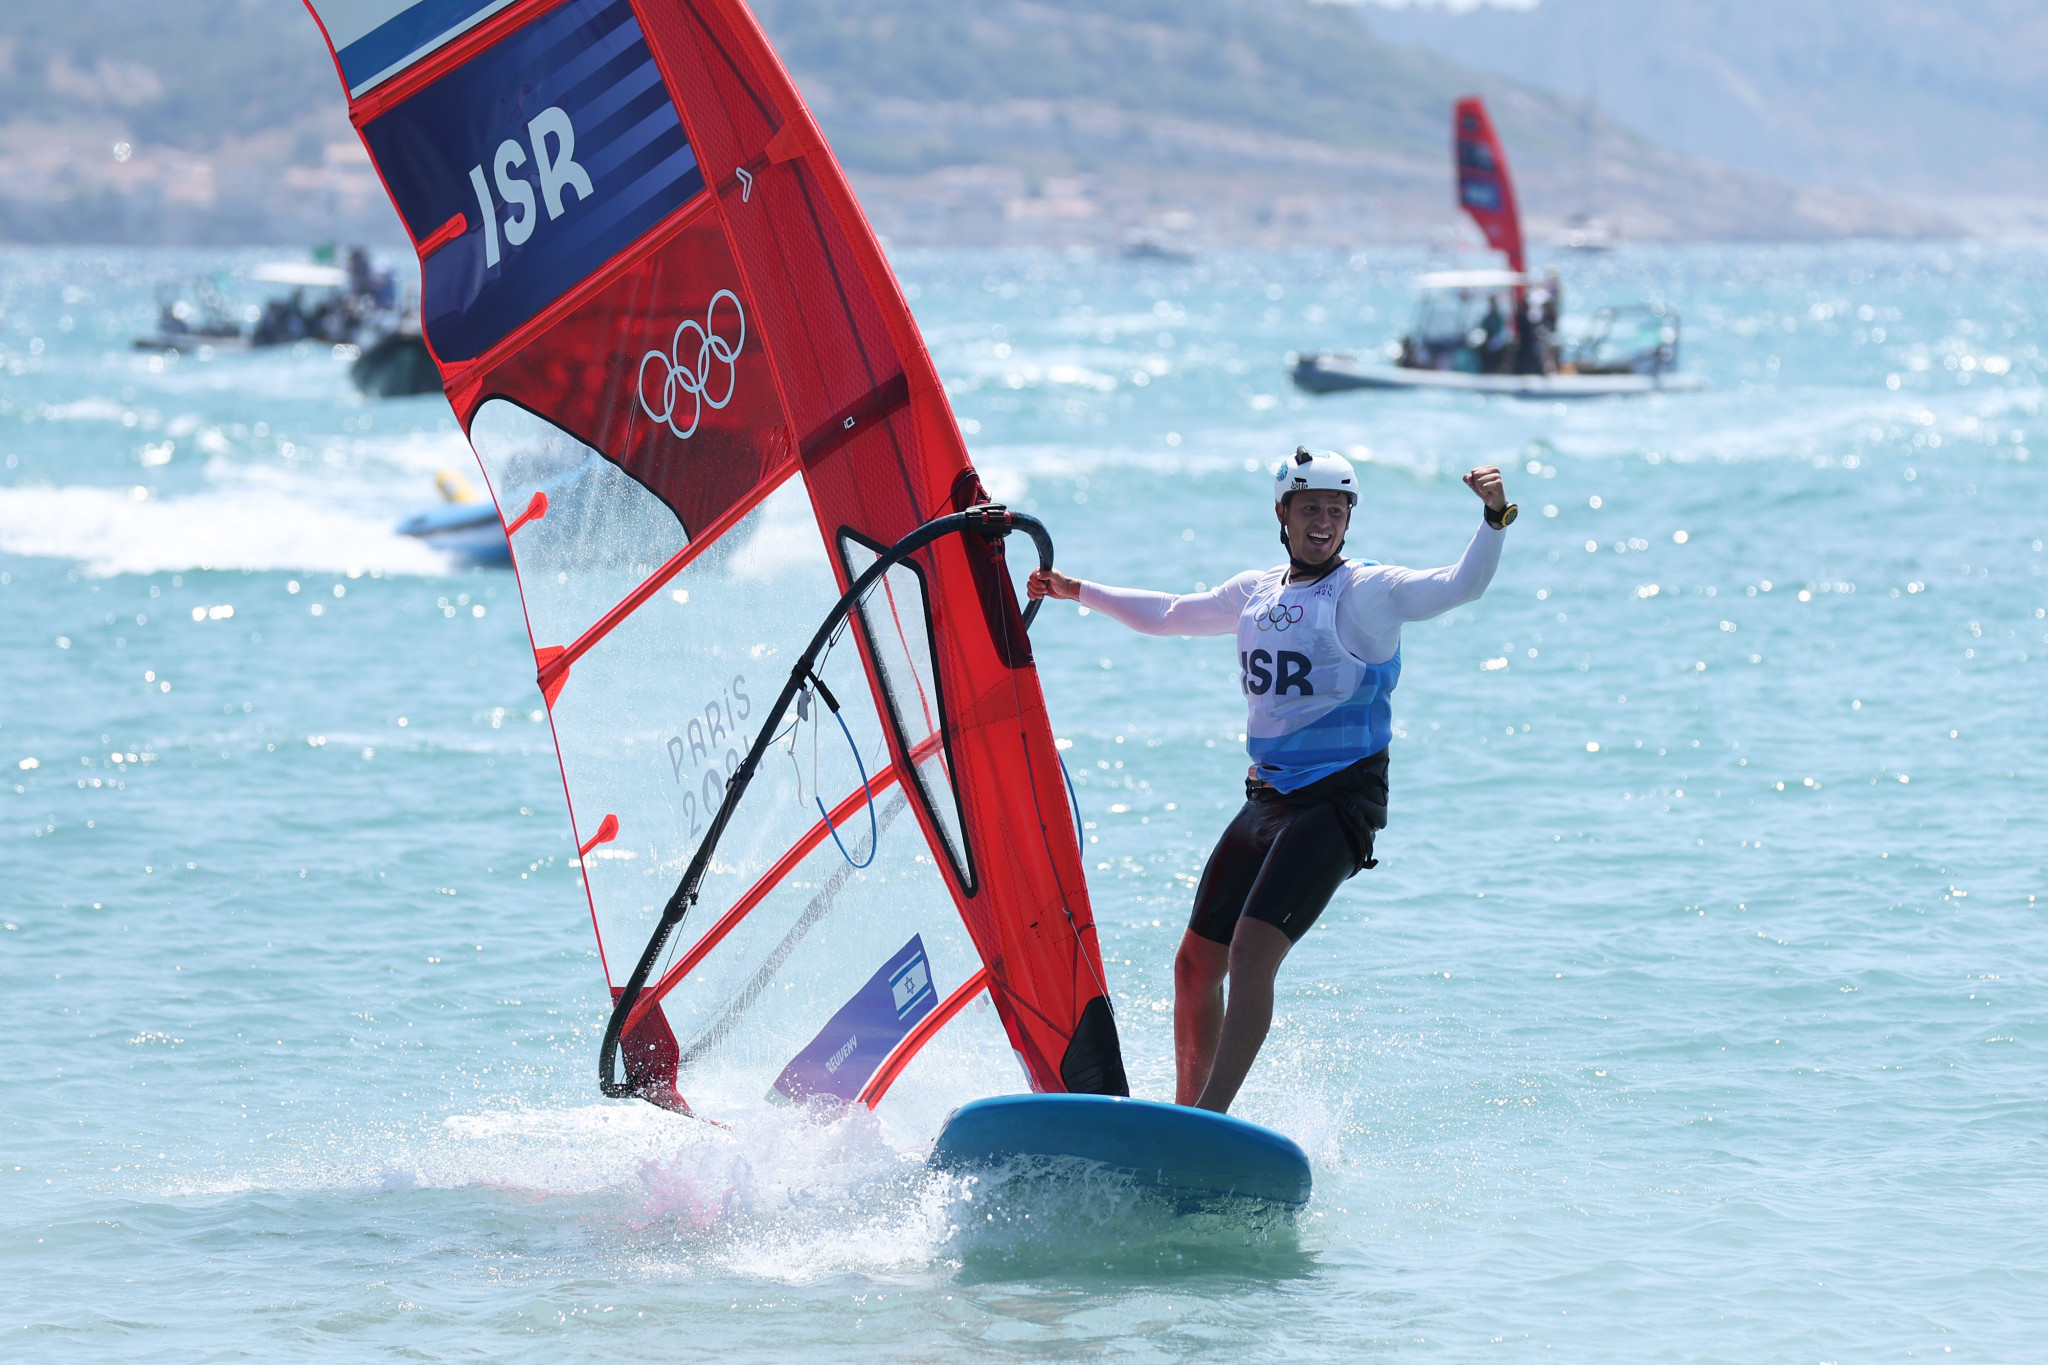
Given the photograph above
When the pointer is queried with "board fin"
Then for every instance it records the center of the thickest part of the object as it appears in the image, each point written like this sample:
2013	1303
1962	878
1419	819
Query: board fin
1093	1063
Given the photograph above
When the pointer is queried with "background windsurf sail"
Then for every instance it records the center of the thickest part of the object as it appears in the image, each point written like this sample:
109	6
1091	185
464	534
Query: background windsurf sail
652	296
1483	185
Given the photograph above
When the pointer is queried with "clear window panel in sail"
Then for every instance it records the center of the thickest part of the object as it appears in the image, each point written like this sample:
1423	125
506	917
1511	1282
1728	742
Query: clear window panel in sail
603	533
652	722
896	618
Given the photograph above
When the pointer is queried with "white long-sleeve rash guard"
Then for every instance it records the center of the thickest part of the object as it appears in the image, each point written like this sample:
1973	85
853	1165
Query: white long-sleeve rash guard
1369	615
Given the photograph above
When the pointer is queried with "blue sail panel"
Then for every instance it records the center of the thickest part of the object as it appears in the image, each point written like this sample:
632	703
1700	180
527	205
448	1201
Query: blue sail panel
839	1061
557	148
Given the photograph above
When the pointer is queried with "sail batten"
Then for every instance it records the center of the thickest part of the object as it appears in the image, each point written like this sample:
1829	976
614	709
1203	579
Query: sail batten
906	1051
660	314
558	663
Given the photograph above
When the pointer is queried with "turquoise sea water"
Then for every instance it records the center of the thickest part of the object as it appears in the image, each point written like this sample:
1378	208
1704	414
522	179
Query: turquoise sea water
1695	1012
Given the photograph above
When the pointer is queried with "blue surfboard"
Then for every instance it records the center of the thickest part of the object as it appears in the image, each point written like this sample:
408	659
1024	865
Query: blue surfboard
1192	1156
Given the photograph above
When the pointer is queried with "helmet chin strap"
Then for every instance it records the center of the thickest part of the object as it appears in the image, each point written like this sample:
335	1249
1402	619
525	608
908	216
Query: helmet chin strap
1309	573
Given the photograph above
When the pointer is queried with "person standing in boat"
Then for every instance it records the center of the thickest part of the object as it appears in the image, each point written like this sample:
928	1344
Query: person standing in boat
1493	338
1552	300
1319	652
1528	343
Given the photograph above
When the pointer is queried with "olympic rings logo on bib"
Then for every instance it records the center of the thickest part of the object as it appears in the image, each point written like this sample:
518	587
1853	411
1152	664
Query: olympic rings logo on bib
1278	617
687	374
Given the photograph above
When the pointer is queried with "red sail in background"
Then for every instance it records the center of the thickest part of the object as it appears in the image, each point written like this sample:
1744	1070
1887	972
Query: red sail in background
653	297
1483	185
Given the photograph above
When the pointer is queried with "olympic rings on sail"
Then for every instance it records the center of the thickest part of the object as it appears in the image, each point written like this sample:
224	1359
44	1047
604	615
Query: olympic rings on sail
1278	617
687	376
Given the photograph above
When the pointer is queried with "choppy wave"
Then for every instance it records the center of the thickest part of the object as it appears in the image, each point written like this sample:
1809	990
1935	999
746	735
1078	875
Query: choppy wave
1674	1020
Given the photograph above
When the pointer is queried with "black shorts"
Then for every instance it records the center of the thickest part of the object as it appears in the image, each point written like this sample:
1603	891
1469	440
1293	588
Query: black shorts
1286	853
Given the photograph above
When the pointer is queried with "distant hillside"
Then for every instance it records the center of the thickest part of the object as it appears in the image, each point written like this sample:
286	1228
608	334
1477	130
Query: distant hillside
188	72
1266	120
990	121
1878	96
180	121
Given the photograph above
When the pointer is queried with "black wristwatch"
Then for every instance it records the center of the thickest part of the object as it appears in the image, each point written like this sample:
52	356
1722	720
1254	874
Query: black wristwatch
1504	518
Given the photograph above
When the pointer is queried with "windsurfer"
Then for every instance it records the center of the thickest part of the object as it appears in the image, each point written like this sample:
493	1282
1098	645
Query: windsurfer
1319	651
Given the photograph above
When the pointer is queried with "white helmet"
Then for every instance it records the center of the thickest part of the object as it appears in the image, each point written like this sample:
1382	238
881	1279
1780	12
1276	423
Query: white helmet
1323	470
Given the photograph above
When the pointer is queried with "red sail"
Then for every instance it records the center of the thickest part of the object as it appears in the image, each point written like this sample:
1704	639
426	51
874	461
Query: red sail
654	299
1483	185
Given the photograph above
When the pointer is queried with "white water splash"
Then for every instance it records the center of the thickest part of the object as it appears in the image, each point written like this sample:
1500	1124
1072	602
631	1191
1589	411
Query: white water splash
126	530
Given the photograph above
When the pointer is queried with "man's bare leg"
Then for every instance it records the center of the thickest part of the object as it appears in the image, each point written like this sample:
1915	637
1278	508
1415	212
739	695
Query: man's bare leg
1198	971
1256	951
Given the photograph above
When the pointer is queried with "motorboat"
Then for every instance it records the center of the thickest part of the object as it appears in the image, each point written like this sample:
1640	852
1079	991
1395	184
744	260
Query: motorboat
1328	372
465	526
1464	339
1167	238
1587	234
355	308
1147	245
192	314
1502	330
322	305
396	365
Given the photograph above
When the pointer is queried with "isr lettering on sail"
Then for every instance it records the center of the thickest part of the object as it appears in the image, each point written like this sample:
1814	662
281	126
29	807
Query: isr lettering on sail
527	167
558	171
